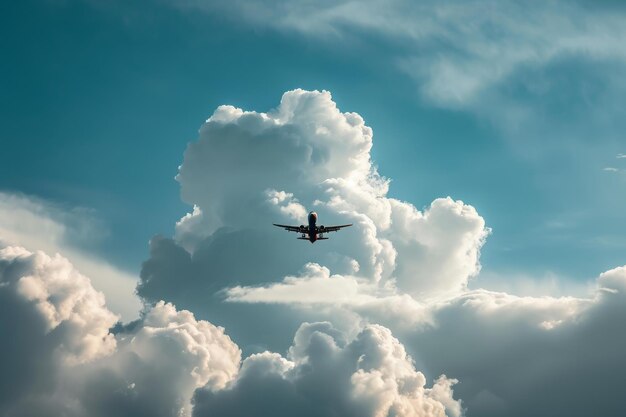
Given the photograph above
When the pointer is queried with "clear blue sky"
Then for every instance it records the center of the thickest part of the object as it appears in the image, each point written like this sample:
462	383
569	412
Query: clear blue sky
100	98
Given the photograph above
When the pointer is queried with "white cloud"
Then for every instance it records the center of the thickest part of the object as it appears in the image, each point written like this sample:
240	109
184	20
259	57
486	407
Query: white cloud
306	153
314	285
62	297
327	375
287	204
334	296
39	225
613	280
213	359
59	358
160	364
155	365
439	248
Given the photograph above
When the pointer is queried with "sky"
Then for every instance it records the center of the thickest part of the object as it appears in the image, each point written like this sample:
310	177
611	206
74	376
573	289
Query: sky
477	146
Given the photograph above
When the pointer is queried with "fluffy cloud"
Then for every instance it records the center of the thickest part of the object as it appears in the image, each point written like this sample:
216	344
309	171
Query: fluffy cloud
154	365
58	355
306	153
251	169
157	367
63	299
327	375
50	317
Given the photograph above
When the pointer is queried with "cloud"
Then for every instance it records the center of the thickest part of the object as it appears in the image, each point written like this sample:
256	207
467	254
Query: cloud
400	267
51	317
327	375
56	339
61	296
530	355
439	248
459	53
314	285
59	357
39	225
309	154
503	348
157	367
228	257
329	294
251	169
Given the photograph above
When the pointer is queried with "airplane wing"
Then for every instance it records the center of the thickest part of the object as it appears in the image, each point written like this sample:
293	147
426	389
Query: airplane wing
332	228
291	228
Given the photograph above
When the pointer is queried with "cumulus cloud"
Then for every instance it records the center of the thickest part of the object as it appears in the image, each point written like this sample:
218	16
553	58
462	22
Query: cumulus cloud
153	366
60	358
308	154
213	359
63	298
157	367
439	248
251	169
502	347
39	225
325	374
51	317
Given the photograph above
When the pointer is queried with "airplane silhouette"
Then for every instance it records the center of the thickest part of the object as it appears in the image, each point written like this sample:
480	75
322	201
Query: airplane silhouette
314	232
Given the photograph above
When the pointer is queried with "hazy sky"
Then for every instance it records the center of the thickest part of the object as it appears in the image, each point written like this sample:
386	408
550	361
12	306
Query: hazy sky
477	146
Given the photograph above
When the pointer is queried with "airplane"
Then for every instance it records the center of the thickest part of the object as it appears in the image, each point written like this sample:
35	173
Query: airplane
314	232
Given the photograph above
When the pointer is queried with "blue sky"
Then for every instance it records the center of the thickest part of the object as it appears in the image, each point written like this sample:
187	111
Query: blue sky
101	99
146	148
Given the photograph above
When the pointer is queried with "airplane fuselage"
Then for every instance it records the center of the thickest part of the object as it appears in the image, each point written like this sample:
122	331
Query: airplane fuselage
312	226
